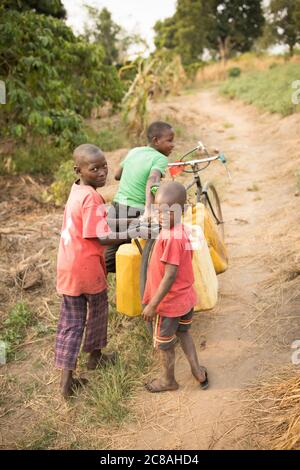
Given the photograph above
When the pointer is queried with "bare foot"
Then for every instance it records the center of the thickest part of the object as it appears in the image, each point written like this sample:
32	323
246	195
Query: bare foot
202	377
73	385
156	386
101	360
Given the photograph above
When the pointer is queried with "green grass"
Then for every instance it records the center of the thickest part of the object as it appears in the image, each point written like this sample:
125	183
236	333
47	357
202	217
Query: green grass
109	393
108	138
43	157
14	328
59	190
269	90
111	390
92	418
35	158
179	128
45	438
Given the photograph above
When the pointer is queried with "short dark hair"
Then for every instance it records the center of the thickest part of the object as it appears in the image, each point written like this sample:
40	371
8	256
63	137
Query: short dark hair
156	129
85	150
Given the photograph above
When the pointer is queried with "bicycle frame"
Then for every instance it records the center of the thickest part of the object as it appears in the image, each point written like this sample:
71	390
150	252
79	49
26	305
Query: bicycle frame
202	192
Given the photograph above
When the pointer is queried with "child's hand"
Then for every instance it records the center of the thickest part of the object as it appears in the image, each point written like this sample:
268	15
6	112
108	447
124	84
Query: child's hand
146	217
150	216
148	313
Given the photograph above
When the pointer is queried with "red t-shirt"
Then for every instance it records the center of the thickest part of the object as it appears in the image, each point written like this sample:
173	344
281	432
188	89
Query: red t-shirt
80	262
172	247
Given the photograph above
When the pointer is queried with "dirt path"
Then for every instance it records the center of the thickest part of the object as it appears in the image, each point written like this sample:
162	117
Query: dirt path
247	336
242	342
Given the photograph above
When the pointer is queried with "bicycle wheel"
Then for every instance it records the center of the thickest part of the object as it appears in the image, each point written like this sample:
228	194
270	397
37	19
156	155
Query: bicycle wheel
211	201
146	256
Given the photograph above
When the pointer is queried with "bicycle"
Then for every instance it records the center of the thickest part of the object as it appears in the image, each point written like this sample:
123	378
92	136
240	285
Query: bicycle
206	194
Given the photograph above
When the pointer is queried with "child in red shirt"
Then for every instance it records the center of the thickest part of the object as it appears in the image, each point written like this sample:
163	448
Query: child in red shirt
169	296
81	272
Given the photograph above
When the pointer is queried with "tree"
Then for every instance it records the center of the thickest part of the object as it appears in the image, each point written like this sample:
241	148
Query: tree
129	45
52	8
235	25
104	31
185	31
285	18
53	78
115	40
165	32
219	25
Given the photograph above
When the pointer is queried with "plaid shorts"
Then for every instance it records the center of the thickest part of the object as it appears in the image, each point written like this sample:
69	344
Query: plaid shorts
86	311
164	329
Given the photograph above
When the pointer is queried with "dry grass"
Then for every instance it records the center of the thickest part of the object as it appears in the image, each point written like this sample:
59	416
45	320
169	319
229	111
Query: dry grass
158	76
33	416
218	72
273	411
273	404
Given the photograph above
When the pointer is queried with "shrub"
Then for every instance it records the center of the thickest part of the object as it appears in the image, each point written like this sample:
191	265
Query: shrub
63	180
234	72
270	90
52	78
14	327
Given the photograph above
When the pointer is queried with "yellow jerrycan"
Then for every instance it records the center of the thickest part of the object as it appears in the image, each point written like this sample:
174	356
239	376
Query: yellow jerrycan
206	282
199	215
128	266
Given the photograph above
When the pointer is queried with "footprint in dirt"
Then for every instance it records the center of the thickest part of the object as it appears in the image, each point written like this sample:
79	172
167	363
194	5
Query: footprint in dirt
241	221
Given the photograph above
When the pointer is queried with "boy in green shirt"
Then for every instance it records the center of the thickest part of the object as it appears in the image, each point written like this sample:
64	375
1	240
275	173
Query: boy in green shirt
142	168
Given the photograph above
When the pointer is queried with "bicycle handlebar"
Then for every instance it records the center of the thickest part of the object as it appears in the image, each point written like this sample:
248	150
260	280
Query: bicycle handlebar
220	157
193	163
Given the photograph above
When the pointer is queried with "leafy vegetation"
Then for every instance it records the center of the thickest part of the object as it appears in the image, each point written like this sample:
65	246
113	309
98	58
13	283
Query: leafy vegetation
38	157
112	135
234	72
270	90
185	32
60	188
14	327
284	18
104	31
235	26
222	26
109	395
106	138
115	41
160	75
53	78
53	8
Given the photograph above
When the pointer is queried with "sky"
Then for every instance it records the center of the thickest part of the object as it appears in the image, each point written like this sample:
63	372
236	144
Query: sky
137	16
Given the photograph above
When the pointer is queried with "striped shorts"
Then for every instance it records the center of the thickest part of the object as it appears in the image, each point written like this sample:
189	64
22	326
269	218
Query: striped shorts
86	311
164	329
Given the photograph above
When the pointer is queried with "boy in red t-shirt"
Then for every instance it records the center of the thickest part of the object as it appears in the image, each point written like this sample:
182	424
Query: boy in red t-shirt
81	273
169	296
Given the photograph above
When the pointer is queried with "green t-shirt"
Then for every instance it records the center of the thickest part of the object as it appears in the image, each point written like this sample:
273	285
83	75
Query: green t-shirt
137	167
